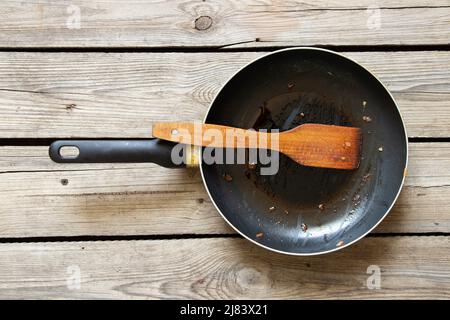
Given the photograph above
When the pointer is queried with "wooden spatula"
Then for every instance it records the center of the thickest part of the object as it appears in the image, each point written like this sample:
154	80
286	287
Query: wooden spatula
315	145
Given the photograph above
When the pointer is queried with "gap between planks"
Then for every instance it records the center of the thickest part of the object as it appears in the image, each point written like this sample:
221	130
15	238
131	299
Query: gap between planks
34	142
265	49
169	237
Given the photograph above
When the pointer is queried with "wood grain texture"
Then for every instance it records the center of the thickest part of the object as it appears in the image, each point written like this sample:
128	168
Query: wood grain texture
121	94
219	23
410	267
101	94
143	199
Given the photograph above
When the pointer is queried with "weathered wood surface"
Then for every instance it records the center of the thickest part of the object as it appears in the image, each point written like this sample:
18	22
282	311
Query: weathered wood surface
219	23
121	94
143	199
410	267
101	94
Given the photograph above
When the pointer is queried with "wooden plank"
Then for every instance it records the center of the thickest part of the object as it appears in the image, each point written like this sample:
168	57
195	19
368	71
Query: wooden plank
143	199
219	23
409	267
120	94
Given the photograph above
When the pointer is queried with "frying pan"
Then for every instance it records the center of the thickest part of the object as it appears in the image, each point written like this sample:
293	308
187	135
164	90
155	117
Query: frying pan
299	210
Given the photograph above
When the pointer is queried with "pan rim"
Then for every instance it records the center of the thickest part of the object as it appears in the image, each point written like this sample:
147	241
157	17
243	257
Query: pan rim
387	210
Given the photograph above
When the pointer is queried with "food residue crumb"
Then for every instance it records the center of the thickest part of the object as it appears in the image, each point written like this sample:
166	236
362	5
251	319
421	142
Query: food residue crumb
259	234
285	211
228	177
364	103
340	244
251	166
352	211
290	85
367	118
348	144
321	206
302	114
304	227
366	177
343	158
356	197
271	209
380	149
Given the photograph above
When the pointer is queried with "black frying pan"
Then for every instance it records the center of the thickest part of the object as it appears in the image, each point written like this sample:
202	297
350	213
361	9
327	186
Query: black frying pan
300	210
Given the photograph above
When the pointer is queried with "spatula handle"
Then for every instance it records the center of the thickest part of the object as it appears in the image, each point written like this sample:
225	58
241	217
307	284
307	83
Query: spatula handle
212	135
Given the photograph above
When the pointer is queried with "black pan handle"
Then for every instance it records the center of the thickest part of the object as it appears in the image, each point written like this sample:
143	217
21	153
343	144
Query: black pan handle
102	151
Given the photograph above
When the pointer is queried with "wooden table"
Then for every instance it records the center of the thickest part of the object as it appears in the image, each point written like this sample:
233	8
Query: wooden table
140	231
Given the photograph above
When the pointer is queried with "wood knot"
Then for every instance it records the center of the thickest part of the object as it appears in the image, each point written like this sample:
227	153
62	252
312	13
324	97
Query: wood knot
203	22
250	278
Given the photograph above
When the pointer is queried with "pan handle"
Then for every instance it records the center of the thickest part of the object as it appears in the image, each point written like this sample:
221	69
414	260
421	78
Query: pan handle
103	151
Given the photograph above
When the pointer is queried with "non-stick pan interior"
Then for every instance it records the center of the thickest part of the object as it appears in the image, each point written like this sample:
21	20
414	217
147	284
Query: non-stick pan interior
302	209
